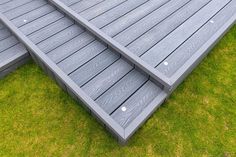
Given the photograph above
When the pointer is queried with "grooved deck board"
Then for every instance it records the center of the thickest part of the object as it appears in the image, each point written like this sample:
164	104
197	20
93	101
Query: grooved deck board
116	95
107	78
94	67
31	16
117	12
12	4
185	51
84	5
164	48
136	103
12	54
165	33
8	42
161	30
59	38
24	9
70	47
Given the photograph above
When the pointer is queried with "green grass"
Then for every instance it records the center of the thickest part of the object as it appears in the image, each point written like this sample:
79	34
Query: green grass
38	119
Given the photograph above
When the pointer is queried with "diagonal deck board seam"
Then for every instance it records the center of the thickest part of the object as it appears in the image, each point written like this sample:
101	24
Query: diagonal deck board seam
92	105
114	45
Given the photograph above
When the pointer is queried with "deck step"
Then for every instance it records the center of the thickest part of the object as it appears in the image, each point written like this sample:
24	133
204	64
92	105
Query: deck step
170	36
12	53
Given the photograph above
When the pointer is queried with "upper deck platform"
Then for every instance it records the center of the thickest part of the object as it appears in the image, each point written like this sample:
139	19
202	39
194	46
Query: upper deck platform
121	58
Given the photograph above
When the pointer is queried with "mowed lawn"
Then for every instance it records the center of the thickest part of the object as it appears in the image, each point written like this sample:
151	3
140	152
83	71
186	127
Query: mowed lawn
37	118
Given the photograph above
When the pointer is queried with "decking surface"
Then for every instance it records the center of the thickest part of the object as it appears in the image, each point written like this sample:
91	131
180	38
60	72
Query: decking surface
12	53
166	34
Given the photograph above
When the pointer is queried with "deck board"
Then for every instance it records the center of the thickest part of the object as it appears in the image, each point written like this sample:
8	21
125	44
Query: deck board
117	12
115	96
155	33
164	48
164	33
107	78
12	4
11	54
186	50
12	14
136	103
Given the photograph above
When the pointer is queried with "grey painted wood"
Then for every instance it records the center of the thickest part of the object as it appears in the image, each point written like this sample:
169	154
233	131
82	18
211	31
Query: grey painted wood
160	31
19	11
12	4
41	22
71	2
83	5
132	17
31	16
116	95
107	78
59	38
4	1
193	44
50	30
65	81
14	66
4	33
101	8
147	23
82	56
8	42
121	88
1	26
70	47
94	67
160	51
113	44
117	12
131	108
15	50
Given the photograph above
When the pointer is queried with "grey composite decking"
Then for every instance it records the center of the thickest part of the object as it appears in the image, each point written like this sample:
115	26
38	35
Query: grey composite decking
121	58
12	53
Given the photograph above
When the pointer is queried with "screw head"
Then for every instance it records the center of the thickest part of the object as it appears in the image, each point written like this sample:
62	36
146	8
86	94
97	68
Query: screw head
123	109
25	20
212	21
166	63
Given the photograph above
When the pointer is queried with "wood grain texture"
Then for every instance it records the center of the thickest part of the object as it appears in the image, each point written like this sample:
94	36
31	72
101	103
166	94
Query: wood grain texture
4	33
82	56
8	42
136	103
60	38
101	8
28	7
94	67
31	16
70	47
84	5
50	30
185	51
117	12
107	78
132	17
18	49
161	30
122	90
139	28
12	4
164	48
41	22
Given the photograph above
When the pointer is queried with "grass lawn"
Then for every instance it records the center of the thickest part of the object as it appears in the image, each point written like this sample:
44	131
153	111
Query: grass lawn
38	119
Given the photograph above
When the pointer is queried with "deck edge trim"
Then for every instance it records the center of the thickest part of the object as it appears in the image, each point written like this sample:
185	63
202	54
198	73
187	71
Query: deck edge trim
200	54
74	88
114	44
